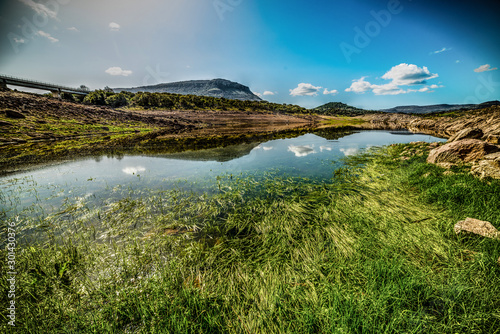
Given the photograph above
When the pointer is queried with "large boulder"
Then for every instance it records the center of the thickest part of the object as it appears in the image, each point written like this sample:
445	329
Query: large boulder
467	133
466	150
488	167
478	227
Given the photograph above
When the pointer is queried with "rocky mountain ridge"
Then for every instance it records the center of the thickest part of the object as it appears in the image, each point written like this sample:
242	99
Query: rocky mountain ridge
435	108
214	88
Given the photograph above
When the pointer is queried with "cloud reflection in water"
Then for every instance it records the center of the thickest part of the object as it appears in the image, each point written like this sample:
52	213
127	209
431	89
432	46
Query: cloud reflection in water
133	170
301	151
349	151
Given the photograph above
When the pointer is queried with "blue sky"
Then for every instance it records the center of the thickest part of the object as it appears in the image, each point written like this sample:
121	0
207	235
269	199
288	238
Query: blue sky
367	53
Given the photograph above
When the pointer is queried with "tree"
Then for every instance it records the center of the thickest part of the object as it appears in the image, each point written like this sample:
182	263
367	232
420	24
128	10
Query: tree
117	100
67	97
97	97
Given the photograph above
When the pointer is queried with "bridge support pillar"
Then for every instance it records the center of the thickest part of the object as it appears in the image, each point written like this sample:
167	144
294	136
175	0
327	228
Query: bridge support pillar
56	93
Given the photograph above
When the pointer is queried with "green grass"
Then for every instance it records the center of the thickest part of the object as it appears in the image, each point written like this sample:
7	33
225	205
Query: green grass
371	251
343	121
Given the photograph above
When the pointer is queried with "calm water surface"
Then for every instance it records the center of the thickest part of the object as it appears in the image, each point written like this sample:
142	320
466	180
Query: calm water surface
308	156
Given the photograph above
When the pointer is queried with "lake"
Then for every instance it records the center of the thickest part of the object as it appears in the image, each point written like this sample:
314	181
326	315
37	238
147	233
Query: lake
95	181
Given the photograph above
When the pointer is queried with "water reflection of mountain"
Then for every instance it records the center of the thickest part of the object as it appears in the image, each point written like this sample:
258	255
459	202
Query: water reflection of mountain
333	133
219	154
402	133
235	151
216	148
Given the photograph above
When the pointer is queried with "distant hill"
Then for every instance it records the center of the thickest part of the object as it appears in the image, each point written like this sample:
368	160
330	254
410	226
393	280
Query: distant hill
339	108
436	108
214	88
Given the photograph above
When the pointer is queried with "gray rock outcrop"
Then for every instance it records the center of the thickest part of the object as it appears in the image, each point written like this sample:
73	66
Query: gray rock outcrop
467	133
488	167
477	227
466	150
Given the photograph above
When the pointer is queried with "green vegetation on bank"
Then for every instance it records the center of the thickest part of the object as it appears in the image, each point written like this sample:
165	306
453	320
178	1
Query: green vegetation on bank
194	102
33	127
340	109
371	251
184	102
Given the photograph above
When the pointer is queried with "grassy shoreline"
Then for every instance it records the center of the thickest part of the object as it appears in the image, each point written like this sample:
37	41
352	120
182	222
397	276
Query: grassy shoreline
371	251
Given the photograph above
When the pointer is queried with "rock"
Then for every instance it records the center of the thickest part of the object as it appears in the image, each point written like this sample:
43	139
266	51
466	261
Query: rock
478	227
466	150
467	133
488	167
433	145
2	123
13	114
493	139
446	165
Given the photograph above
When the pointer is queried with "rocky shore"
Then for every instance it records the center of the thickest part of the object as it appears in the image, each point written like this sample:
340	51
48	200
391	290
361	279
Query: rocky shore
473	137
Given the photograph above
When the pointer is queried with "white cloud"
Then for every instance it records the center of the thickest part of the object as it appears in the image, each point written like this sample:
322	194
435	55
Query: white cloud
400	75
258	94
409	74
133	170
118	71
301	151
268	93
19	40
457	61
40	8
387	89
421	90
305	89
332	92
484	68
359	86
439	51
73	29
47	35
113	26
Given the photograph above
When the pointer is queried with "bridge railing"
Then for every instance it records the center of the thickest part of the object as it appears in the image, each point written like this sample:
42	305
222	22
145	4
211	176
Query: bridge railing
47	85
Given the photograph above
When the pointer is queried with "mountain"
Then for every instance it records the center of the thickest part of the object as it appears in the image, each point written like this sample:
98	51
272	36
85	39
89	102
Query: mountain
339	108
436	108
214	88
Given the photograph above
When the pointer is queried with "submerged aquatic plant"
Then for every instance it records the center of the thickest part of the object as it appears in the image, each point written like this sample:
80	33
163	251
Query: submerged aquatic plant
371	250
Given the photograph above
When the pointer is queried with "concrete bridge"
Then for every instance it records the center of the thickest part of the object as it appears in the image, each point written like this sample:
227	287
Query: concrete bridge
55	89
